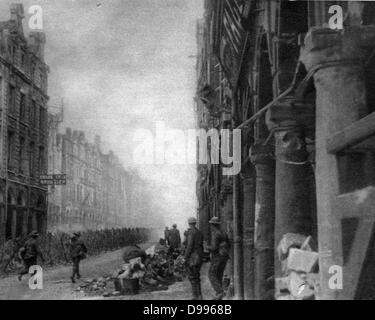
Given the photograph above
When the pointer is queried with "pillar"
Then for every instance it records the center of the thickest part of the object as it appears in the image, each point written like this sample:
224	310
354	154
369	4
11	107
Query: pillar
14	222
248	218
335	58
237	241
262	158
228	216
25	222
2	223
34	219
290	121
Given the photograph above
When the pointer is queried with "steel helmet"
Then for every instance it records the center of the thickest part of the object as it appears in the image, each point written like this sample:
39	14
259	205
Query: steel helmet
192	220
214	220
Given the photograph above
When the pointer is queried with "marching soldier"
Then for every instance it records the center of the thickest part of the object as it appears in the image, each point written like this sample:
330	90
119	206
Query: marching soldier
29	253
166	235
193	257
219	248
78	252
174	238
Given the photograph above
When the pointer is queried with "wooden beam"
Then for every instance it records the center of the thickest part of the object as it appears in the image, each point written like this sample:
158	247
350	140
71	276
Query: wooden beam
352	135
359	204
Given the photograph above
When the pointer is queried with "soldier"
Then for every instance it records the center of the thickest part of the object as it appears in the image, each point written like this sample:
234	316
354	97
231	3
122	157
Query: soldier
78	252
166	235
174	239
219	249
193	257
29	253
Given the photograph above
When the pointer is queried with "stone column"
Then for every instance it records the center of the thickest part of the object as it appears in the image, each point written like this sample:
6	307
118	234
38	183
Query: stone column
335	58
237	241
262	158
25	222
290	121
248	219
14	222
228	214
2	223
34	220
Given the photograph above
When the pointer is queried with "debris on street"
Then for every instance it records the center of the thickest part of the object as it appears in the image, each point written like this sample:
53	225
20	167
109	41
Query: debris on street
143	271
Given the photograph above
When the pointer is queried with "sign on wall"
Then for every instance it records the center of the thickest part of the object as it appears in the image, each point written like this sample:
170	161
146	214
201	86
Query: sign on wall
52	179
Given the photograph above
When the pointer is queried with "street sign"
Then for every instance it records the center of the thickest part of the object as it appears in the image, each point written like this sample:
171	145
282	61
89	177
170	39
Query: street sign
52	179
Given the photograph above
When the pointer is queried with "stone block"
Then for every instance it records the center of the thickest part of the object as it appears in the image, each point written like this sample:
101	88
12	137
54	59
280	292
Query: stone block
299	286
291	240
301	260
281	284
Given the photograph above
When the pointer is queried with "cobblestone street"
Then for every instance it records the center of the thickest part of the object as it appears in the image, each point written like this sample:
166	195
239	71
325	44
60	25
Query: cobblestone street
57	285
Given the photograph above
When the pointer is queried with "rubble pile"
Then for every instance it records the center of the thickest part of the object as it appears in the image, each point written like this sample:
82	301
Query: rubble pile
95	287
143	271
300	267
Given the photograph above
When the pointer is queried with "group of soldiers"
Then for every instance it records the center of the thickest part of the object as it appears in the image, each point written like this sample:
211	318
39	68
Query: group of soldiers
30	252
193	248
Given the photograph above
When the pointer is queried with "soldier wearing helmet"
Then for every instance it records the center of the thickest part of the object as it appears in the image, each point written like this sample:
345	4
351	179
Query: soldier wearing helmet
78	252
193	257
29	253
174	239
219	248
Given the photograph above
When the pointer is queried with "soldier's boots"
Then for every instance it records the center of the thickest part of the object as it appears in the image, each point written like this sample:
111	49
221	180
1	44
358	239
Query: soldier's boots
197	292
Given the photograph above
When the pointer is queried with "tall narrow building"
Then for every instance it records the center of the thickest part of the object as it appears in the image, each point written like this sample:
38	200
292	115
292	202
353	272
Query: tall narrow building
23	128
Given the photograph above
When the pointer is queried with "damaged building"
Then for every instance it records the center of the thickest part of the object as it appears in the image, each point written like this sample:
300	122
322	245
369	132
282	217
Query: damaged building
299	86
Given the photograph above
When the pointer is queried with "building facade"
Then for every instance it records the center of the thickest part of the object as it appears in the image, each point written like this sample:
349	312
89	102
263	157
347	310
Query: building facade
299	87
23	132
95	195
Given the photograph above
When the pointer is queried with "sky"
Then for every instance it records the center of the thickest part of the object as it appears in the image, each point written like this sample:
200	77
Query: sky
121	66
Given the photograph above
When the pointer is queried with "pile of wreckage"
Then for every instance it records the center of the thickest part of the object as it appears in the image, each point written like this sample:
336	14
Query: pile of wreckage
143	271
300	280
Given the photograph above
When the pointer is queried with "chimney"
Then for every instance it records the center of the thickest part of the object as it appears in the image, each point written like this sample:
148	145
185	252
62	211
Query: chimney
17	13
36	43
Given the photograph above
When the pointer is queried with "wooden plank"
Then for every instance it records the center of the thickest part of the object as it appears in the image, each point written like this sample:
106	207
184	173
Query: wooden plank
352	204
352	135
359	204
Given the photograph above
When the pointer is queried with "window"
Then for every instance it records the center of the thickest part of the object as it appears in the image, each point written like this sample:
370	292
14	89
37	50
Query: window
41	117
32	70
41	161
22	107
10	149
23	60
12	51
33	113
11	99
31	159
21	155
